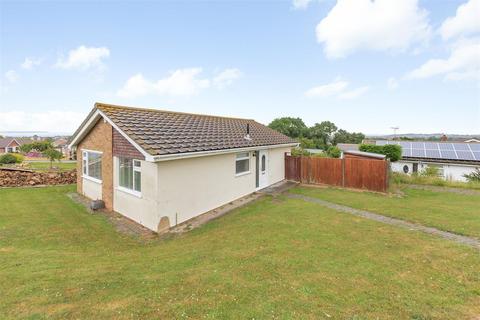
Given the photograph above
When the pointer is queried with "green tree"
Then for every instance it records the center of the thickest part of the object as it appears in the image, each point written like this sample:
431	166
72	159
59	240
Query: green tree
292	127
323	133
306	143
40	146
52	155
343	136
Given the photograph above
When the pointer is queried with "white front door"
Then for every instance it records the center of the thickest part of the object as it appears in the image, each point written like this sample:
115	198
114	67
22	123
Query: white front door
262	169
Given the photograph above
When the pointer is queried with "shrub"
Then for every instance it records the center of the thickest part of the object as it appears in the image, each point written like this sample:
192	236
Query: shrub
297	152
19	157
430	171
8	158
306	143
392	151
474	176
334	152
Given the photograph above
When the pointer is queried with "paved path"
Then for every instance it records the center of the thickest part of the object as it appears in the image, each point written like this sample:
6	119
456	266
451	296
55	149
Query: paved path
392	221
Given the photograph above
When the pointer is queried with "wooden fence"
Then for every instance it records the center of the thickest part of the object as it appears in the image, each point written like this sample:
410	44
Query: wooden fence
351	172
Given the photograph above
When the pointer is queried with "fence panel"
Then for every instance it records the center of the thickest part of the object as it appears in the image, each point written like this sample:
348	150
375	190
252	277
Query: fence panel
366	174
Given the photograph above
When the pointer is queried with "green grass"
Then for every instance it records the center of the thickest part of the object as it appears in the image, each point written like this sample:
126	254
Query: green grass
64	166
402	179
282	259
453	212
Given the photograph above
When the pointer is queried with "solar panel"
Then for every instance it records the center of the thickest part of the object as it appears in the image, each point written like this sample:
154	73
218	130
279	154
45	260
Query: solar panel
406	145
447	154
465	155
431	145
445	146
432	153
418	153
461	146
474	146
476	154
406	152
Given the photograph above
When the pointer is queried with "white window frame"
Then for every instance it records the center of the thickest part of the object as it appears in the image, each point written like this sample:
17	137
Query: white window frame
135	168
240	159
85	175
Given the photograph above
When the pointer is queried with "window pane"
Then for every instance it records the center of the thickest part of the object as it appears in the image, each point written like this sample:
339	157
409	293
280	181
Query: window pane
125	173
241	166
242	155
95	165
263	162
138	181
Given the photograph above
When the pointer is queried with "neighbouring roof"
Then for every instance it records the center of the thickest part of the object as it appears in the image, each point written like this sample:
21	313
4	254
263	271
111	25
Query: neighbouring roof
347	146
365	154
439	151
160	132
4	142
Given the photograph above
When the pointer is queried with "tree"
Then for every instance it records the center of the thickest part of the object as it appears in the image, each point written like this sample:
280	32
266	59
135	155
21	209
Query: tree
323	133
306	143
343	136
40	146
292	127
52	155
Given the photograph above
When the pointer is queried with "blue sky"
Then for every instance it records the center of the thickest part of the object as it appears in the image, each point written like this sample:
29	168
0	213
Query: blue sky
366	66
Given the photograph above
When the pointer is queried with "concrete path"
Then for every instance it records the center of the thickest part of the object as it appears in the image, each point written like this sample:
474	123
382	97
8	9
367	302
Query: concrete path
475	243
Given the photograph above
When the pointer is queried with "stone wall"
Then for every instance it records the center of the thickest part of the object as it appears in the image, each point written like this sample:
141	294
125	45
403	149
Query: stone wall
21	178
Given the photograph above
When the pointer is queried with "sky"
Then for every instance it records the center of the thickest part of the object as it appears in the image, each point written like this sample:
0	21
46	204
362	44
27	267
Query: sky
365	65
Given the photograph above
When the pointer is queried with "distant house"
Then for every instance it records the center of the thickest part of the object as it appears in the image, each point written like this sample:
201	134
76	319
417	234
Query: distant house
473	140
451	158
61	144
12	144
161	168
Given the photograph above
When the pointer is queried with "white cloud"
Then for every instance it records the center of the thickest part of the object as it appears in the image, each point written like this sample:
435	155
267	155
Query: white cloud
338	88
355	93
59	121
226	77
327	90
29	63
378	25
12	76
465	22
392	83
181	82
462	64
84	58
300	4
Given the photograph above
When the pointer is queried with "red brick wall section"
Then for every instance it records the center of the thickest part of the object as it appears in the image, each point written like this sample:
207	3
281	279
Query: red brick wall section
123	148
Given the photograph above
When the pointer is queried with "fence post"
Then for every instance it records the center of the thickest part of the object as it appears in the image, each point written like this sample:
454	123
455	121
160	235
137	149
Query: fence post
343	172
387	171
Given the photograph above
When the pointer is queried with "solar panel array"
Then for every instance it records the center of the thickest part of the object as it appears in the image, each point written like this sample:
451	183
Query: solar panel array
438	150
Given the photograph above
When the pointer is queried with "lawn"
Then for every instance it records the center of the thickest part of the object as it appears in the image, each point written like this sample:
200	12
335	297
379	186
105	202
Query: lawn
45	165
275	258
453	212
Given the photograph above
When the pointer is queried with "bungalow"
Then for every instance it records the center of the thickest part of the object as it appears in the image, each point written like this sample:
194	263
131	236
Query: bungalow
453	160
161	168
11	144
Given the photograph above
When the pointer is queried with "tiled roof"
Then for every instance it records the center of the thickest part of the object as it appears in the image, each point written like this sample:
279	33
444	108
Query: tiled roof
165	132
4	142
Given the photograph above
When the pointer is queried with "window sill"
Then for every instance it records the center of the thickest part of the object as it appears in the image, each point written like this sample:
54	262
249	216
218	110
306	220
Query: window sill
92	179
242	174
129	191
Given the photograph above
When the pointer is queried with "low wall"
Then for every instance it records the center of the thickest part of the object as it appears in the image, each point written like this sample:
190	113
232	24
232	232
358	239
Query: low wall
20	178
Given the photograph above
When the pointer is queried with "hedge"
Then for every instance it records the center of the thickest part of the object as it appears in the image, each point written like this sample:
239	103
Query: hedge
392	151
